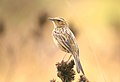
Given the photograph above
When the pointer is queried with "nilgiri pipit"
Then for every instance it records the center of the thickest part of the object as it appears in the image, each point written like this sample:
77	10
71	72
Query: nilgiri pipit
65	40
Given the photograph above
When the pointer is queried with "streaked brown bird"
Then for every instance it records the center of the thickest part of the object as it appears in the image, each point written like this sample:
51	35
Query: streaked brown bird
65	40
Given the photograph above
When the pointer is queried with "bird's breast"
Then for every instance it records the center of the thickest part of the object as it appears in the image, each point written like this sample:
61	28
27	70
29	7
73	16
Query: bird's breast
59	45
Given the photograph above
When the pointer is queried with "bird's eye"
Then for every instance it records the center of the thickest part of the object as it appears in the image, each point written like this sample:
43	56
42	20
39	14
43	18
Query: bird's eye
58	20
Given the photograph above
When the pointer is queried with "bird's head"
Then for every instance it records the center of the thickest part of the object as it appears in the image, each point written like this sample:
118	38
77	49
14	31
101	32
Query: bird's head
59	22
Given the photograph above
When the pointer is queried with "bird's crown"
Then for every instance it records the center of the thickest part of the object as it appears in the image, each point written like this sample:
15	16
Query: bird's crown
56	19
59	22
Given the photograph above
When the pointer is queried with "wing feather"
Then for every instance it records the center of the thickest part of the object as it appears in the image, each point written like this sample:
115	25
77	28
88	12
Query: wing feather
66	40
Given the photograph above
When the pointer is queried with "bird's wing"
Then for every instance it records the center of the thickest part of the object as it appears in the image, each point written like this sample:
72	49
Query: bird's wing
66	39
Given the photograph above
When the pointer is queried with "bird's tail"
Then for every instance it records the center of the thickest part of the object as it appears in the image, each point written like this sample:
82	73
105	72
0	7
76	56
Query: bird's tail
78	64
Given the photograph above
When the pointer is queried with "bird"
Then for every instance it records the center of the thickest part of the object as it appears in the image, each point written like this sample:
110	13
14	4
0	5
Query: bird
65	40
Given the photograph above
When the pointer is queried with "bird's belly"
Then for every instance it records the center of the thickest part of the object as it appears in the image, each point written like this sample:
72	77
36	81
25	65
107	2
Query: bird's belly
59	46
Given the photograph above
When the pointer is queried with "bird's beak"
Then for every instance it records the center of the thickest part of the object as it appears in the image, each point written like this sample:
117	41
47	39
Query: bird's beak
52	19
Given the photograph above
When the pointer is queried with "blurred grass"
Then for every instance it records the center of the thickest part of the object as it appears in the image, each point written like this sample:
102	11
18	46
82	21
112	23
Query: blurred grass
96	36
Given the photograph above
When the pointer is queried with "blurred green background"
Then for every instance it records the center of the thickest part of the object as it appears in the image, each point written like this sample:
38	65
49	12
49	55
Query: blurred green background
28	53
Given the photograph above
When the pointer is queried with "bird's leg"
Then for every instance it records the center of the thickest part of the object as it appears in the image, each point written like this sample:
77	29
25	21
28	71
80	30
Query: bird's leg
69	58
64	56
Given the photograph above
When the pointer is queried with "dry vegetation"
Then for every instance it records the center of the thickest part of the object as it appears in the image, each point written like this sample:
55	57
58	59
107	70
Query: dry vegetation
66	72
